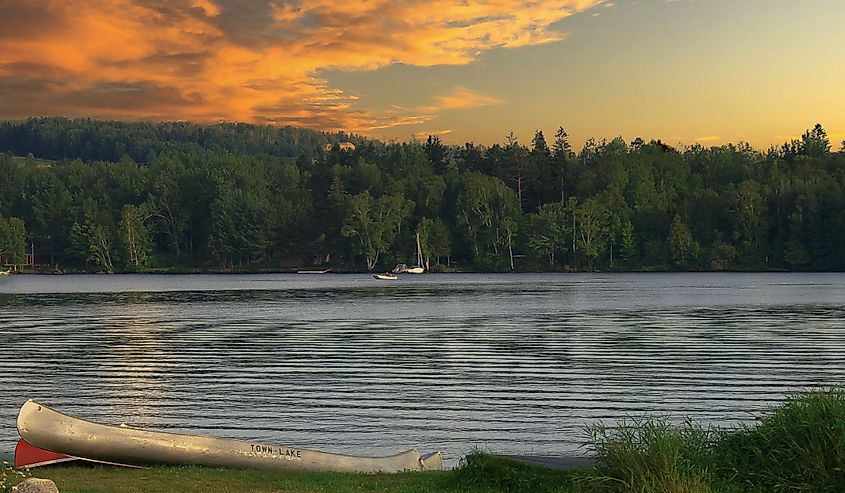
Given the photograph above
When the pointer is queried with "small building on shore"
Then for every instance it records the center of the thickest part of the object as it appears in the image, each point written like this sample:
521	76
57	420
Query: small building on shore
344	146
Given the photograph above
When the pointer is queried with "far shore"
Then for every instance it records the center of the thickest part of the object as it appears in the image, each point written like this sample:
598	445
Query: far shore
315	271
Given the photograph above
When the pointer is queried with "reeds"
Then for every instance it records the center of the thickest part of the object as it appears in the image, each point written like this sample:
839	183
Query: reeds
650	455
798	446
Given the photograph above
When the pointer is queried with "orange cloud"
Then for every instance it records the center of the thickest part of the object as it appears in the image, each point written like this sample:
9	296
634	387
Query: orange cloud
423	134
258	61
462	98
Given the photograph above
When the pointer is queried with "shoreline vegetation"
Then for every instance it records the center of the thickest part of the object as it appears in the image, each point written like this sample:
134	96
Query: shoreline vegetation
798	446
341	271
84	195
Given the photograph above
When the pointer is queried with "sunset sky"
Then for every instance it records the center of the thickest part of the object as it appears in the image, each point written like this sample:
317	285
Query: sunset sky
708	71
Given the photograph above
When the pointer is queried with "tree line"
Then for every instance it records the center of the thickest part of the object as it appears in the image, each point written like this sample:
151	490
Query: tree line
114	196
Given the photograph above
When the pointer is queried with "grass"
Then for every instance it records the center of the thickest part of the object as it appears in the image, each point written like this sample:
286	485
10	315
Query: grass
652	455
482	473
798	446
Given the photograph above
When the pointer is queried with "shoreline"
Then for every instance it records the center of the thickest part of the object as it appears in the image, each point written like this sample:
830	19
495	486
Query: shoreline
363	272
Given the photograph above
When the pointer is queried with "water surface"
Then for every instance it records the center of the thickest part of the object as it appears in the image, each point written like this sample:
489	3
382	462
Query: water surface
514	364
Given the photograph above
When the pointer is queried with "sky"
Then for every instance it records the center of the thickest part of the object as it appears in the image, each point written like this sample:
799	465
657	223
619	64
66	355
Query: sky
684	71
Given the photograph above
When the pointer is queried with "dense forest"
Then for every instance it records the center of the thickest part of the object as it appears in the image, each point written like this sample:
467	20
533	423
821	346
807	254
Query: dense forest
130	197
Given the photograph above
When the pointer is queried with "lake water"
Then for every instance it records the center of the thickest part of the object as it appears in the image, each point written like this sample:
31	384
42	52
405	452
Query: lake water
513	364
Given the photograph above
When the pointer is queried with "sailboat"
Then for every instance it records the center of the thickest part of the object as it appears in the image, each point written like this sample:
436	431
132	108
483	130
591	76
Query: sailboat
417	269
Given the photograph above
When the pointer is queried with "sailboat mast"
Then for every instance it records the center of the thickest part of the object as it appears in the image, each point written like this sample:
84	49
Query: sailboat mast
419	251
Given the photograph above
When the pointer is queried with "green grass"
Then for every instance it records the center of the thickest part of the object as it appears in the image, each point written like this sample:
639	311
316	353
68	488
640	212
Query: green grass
798	446
482	473
651	455
486	473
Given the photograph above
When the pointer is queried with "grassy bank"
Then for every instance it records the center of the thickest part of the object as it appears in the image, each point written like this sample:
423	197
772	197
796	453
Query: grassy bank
486	473
796	447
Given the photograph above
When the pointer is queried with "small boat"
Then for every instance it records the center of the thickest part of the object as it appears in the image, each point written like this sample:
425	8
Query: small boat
50	430
5	272
324	271
387	276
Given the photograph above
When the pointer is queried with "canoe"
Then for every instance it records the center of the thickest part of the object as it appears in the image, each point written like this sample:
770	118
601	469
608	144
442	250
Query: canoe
51	430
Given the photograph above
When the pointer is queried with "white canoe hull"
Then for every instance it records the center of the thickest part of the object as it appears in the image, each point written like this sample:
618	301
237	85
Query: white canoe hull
51	430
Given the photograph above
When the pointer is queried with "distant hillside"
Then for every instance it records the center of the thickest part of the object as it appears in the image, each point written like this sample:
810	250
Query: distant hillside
249	198
57	138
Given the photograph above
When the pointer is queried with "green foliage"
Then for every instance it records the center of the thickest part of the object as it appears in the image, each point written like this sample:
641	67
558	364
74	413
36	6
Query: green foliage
683	247
629	243
482	472
240	226
9	476
93	242
134	238
592	222
722	255
12	240
486	213
814	142
91	140
434	240
549	233
250	197
375	223
798	446
651	455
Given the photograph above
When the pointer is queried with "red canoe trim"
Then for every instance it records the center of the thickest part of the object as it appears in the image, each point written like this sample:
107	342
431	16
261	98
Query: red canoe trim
28	455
